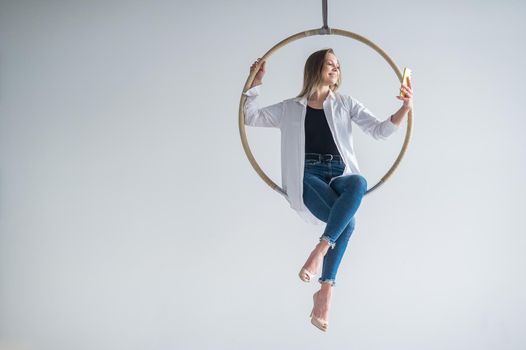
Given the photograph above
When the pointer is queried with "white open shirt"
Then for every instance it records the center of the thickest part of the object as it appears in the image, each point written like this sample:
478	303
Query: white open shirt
289	117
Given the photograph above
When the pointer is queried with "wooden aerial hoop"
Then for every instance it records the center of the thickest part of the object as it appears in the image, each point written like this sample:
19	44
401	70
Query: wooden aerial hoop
325	30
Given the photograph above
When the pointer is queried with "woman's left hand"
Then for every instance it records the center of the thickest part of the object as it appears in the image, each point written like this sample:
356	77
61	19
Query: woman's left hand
408	92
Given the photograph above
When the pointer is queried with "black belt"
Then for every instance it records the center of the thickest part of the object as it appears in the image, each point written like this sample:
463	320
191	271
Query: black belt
323	157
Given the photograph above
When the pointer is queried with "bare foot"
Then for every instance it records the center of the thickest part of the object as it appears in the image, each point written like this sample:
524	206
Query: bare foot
315	258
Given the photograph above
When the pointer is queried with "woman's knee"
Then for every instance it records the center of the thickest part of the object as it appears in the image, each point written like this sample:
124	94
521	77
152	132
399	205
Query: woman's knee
357	182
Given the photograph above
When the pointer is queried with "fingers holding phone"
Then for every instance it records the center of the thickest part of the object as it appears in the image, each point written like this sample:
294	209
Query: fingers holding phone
406	89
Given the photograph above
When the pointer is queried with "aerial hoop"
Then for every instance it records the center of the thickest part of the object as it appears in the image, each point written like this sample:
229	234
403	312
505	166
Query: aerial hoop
325	30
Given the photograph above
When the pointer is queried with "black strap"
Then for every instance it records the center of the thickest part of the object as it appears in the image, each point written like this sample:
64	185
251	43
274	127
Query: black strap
324	9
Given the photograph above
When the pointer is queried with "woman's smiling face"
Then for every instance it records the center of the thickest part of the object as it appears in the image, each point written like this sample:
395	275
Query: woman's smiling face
331	69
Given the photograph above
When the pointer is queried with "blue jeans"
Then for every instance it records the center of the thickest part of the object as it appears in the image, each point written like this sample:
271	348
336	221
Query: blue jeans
334	204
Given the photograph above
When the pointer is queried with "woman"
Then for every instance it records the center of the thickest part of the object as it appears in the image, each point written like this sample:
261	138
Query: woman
320	174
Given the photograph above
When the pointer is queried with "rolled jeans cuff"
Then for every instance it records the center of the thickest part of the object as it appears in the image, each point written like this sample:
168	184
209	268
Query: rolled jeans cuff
327	280
329	240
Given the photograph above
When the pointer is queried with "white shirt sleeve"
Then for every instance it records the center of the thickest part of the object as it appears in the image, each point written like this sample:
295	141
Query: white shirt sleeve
269	116
366	120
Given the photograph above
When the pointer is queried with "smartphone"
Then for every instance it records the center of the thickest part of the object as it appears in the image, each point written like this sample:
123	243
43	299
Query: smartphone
407	74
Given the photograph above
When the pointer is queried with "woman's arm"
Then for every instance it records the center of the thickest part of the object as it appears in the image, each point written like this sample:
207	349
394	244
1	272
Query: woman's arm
399	115
368	122
406	106
258	79
256	83
269	116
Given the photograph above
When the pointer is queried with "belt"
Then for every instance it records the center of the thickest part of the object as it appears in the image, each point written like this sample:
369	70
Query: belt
323	157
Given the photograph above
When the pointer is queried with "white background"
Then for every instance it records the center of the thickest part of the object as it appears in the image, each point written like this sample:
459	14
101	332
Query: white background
130	217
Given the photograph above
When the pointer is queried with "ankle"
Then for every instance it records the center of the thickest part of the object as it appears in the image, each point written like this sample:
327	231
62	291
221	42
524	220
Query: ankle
322	247
326	289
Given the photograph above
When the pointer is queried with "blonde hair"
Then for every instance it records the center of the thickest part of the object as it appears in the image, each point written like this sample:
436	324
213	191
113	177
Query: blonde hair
312	73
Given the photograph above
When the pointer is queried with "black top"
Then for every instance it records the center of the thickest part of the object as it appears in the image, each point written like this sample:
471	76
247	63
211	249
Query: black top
318	136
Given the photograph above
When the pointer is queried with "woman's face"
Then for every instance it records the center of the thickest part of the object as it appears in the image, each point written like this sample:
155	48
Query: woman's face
331	69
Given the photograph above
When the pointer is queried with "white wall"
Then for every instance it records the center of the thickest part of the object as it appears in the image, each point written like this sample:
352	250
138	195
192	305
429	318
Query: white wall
130	217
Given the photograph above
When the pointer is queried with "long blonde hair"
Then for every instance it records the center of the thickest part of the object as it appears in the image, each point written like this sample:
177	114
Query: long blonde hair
312	73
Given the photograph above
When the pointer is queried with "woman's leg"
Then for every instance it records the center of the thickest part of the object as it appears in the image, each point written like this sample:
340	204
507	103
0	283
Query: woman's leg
320	199
333	258
350	190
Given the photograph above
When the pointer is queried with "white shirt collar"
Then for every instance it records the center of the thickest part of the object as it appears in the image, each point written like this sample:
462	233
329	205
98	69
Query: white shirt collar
303	100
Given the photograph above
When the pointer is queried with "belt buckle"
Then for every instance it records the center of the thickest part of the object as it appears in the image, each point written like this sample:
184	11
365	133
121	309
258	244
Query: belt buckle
332	157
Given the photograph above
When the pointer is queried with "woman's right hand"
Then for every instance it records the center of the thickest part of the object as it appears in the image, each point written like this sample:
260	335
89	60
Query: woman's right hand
258	79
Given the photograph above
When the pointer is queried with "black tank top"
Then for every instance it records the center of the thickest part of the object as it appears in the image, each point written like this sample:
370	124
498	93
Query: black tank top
318	136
